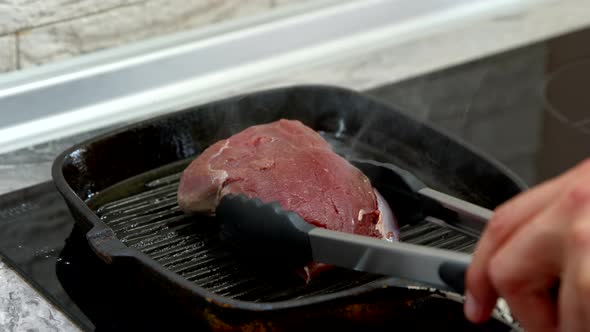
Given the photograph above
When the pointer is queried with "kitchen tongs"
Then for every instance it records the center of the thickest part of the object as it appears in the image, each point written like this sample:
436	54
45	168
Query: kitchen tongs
269	230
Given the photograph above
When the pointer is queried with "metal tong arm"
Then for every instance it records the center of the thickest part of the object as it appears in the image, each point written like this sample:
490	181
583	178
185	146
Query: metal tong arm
459	211
443	269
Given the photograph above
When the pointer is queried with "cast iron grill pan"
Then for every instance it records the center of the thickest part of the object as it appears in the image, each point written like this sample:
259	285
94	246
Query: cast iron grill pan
151	222
120	188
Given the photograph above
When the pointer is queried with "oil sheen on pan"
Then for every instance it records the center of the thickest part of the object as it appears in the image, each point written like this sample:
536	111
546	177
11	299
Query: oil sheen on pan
288	162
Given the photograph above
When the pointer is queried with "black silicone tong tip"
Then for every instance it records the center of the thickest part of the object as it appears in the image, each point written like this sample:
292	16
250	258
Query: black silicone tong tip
264	229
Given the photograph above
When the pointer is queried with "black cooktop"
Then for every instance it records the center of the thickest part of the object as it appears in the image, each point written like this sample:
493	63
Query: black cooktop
38	239
526	107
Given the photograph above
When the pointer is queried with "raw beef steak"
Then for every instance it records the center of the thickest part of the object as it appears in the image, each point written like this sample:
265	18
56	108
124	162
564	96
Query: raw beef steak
287	162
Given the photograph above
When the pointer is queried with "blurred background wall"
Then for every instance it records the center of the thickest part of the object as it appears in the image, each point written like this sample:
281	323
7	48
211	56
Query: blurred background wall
35	32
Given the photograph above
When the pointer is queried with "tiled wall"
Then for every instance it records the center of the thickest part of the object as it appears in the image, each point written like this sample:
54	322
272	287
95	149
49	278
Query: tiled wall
35	32
7	53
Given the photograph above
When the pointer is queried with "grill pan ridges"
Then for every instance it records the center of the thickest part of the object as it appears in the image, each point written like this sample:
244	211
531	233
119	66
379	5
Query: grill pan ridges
151	222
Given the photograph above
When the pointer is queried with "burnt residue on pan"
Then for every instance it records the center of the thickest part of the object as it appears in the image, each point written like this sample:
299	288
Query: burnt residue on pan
121	188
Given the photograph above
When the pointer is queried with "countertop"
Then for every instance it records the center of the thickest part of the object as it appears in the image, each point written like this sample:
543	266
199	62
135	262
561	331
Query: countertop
22	308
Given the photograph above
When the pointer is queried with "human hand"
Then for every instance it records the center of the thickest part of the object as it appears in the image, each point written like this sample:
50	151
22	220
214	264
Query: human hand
535	242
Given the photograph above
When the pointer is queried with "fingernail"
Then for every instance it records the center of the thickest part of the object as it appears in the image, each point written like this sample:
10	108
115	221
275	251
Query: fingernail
471	308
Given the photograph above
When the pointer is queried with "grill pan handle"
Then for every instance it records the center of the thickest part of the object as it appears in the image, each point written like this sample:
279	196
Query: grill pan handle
104	243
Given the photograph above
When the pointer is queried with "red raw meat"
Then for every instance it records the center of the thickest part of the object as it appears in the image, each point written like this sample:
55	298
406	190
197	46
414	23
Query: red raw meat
287	162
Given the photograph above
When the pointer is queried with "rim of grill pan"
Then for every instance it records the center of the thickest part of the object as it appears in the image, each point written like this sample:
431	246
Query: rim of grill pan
106	245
